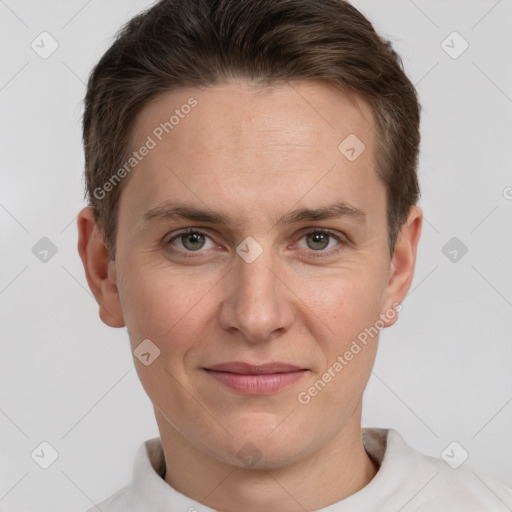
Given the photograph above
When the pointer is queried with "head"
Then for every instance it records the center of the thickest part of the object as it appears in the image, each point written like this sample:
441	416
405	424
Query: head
252	187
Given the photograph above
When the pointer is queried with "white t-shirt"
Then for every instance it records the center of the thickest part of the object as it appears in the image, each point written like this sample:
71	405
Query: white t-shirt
406	481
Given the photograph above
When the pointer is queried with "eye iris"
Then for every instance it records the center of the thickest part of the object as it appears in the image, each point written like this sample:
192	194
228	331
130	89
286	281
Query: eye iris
193	241
318	241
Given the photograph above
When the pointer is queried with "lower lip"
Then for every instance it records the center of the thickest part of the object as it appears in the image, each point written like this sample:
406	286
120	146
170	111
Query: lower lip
257	384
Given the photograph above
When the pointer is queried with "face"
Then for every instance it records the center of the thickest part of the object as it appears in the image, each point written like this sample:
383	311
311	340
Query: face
247	234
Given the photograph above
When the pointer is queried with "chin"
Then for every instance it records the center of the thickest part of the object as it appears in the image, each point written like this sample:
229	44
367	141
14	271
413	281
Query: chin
270	446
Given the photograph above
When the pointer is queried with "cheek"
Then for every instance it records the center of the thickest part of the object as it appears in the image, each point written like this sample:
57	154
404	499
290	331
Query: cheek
171	311
346	312
166	307
345	302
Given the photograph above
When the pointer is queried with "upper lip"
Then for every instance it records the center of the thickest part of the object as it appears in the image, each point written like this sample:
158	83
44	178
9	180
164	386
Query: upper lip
255	369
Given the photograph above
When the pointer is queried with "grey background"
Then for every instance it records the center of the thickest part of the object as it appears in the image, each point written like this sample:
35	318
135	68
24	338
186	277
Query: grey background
442	373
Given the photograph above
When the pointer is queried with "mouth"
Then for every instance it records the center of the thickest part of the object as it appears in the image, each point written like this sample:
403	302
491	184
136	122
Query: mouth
250	379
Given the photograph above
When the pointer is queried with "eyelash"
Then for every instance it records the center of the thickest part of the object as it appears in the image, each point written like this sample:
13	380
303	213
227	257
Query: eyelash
342	243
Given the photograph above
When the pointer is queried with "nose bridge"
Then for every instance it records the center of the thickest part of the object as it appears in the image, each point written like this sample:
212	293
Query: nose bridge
256	280
257	304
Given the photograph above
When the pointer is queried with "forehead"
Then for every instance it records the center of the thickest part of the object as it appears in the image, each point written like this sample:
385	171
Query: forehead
295	112
245	142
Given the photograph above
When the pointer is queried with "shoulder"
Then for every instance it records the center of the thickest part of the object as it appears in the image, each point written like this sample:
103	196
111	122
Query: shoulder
121	501
467	489
445	486
146	481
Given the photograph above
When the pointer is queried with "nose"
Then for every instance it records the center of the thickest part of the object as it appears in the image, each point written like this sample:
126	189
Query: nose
258	304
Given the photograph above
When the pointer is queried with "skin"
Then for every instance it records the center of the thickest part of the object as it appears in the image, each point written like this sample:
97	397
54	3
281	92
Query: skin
253	155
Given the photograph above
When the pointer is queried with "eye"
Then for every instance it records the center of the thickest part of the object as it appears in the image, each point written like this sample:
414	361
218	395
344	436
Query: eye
191	240
320	240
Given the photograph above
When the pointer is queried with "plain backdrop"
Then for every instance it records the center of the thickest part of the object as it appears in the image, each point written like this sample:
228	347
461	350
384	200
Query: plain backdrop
443	372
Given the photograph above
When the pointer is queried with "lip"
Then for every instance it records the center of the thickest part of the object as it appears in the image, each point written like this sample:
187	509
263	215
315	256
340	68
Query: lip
242	368
261	379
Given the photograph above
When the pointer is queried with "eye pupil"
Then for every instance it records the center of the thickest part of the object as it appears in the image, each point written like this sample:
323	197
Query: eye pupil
318	241
193	241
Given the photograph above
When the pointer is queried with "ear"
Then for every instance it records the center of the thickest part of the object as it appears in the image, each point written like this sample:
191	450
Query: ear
100	270
402	265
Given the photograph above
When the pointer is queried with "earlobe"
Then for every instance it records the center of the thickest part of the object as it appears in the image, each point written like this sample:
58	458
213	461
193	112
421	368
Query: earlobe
402	265
99	269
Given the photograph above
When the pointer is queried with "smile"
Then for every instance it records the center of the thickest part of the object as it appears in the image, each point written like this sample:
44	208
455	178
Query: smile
250	379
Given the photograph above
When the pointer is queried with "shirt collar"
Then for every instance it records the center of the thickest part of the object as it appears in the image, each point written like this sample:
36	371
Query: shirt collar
384	446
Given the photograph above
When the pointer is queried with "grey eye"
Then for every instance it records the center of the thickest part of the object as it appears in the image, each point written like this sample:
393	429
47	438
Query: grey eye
193	241
190	241
317	241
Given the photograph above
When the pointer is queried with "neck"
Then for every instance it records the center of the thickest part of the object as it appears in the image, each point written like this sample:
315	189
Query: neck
340	468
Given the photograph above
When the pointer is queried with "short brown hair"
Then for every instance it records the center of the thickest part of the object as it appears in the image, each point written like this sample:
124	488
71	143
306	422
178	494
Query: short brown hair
199	43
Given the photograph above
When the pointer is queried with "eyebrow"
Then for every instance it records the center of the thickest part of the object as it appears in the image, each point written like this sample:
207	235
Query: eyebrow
180	211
